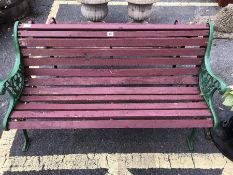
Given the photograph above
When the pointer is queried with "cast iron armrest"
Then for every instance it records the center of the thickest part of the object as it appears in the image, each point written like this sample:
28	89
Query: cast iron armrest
14	82
208	81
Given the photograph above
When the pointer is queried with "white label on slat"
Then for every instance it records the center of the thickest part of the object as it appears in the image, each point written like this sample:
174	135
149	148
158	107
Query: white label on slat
110	34
27	25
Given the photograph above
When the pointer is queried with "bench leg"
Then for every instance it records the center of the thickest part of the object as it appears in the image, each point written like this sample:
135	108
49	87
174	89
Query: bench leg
207	134
27	141
190	139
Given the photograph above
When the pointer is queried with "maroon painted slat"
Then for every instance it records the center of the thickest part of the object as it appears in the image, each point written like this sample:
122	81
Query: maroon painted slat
138	106
111	62
112	72
111	114
120	42
112	26
114	52
110	98
117	34
113	90
207	123
113	81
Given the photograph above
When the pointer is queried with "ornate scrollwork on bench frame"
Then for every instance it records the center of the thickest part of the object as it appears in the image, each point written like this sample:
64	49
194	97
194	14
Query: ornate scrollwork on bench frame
208	81
14	83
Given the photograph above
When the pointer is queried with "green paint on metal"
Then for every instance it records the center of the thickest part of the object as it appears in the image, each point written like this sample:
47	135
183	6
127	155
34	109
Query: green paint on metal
190	139
208	81
27	141
14	82
10	108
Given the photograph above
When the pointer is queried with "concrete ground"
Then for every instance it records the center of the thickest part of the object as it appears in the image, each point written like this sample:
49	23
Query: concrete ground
122	151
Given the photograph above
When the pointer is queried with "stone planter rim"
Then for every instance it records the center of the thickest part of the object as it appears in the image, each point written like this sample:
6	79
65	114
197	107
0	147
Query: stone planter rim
94	2
222	19
94	12
142	1
139	12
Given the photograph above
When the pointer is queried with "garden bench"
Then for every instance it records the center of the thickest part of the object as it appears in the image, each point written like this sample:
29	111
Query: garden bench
101	75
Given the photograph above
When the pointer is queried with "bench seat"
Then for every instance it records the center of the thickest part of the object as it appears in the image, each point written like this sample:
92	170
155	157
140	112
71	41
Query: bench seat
70	76
111	107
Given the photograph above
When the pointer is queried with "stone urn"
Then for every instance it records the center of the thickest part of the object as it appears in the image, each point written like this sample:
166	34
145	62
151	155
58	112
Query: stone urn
224	20
11	10
140	10
94	10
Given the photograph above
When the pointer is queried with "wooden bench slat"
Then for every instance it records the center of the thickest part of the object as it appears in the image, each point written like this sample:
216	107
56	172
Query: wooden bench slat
113	90
113	81
110	98
112	26
116	106
111	62
114	52
111	124
117	34
111	114
112	72
112	42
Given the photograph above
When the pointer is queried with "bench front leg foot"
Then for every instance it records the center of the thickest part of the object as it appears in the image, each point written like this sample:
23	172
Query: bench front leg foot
27	141
190	139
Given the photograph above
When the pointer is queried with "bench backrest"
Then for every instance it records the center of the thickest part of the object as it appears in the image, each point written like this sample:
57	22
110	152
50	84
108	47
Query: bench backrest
112	54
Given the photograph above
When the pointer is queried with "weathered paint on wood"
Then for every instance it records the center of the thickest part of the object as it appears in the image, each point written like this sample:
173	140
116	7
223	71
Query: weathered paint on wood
116	106
117	34
112	81
202	113
110	98
139	62
112	90
207	123
111	72
114	52
112	26
112	42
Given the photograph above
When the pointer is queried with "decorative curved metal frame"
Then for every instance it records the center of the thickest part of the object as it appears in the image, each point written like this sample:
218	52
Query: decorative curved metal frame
208	84
14	82
208	81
